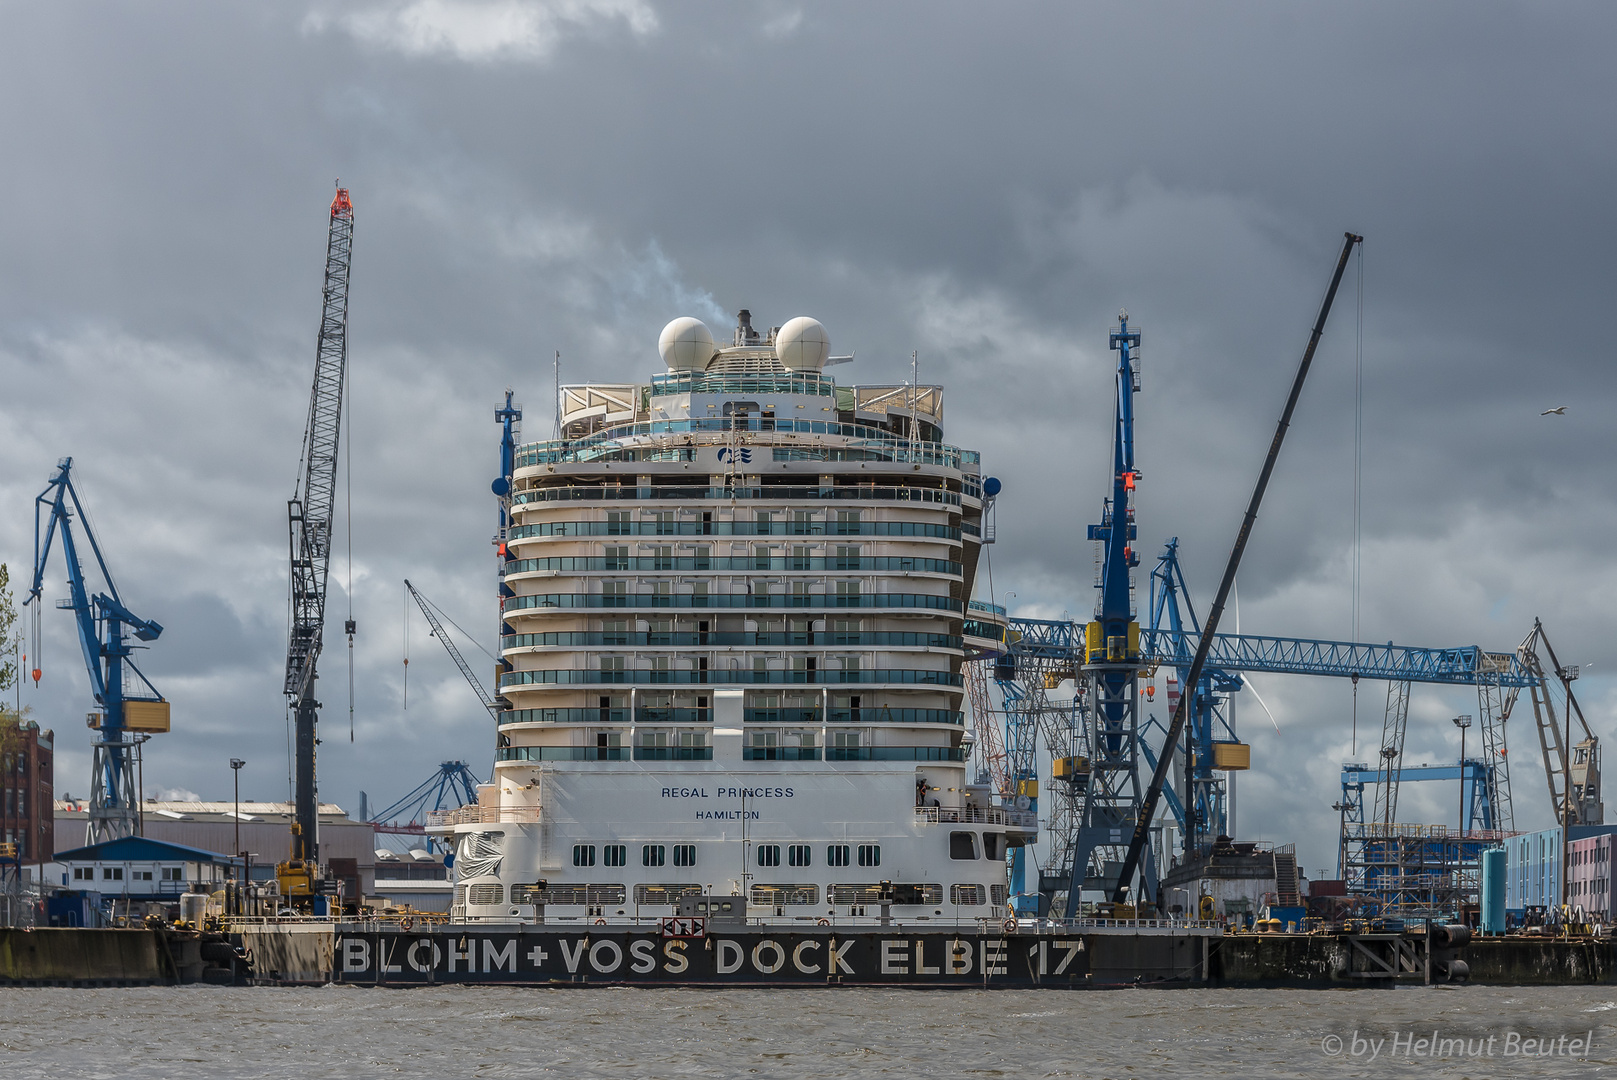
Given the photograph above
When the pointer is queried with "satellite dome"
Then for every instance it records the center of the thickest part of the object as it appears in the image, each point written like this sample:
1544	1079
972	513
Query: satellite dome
802	344
686	344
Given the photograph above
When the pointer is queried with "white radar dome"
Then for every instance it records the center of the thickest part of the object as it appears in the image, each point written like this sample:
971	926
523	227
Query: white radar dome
686	345
802	344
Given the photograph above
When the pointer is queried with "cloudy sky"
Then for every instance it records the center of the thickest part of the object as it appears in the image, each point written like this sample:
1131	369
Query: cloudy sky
987	184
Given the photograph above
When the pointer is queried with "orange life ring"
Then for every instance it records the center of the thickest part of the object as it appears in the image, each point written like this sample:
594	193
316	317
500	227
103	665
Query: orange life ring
822	922
406	923
1010	926
600	922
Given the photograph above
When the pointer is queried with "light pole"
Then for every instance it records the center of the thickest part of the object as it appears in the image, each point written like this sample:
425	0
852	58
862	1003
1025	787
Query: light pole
1462	722
235	771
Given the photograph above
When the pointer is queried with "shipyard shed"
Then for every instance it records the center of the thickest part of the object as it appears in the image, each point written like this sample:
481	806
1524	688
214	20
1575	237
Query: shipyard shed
137	875
266	833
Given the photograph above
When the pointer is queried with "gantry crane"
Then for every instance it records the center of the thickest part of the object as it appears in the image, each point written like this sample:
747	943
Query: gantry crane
1572	769
309	522
121	719
453	785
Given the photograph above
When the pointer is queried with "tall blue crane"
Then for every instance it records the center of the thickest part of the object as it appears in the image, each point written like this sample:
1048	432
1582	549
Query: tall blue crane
104	624
1110	660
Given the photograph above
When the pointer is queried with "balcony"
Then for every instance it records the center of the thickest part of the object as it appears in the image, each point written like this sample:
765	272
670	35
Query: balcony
730	677
631	601
735	528
895	753
780	753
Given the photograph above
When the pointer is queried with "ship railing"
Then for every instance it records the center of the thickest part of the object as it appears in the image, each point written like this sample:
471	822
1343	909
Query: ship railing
482	815
1032	925
984	815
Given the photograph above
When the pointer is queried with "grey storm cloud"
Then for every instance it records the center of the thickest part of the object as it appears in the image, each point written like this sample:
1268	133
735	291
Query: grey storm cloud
984	184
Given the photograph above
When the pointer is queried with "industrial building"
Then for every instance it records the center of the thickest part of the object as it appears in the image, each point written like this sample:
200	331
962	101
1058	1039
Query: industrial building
263	827
136	876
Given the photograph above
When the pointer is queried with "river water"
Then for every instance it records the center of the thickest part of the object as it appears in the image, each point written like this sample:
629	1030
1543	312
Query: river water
337	1032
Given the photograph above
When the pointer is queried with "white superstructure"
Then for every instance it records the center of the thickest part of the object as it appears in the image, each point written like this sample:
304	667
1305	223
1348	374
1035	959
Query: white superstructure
735	614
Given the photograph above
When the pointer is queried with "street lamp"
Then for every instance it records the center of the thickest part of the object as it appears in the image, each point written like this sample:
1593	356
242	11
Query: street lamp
235	769
1462	722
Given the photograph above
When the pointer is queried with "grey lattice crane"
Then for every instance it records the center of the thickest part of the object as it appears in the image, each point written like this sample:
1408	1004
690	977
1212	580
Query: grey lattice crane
309	521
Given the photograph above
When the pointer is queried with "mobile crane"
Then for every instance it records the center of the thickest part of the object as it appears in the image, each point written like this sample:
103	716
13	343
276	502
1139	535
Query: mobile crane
309	522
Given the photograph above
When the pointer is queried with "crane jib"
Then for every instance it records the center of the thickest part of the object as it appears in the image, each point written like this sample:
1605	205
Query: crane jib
309	521
1153	794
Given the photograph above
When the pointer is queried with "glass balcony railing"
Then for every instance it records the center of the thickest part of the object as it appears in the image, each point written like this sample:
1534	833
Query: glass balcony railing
730	600
734	528
729	676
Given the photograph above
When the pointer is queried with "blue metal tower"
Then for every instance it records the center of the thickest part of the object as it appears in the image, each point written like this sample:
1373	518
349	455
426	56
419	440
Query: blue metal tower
508	417
1201	807
104	623
1111	661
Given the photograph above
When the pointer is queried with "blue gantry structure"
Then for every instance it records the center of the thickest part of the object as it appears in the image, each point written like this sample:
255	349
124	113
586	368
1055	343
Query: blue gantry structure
124	714
1097	741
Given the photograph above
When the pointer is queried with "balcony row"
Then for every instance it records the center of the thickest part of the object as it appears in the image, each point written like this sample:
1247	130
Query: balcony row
842	639
731	600
729	677
745	562
611	492
735	528
748	753
606	440
804	717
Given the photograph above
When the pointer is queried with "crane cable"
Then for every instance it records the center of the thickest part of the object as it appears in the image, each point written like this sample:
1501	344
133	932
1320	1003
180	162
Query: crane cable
348	530
1358	474
406	693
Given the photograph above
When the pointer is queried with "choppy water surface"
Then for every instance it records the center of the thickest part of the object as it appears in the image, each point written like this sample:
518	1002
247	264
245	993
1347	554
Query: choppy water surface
487	1032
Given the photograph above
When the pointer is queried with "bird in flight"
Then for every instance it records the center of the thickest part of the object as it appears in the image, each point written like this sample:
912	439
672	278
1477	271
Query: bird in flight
1559	410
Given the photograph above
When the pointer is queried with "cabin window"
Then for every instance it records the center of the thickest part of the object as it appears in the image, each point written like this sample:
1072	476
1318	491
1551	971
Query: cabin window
768	854
652	855
797	855
614	854
583	854
836	855
962	845
993	845
684	854
869	854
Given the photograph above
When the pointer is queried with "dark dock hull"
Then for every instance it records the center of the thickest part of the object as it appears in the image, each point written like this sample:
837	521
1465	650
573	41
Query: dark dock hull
538	955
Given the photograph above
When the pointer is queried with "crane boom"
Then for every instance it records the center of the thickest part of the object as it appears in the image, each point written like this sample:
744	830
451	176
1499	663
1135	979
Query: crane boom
1153	792
309	521
438	631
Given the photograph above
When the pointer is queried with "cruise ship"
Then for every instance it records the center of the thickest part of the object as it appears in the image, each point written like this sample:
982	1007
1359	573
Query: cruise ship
735	610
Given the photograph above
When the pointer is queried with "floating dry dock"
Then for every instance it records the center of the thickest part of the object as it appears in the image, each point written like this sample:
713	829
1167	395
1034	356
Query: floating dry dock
1085	955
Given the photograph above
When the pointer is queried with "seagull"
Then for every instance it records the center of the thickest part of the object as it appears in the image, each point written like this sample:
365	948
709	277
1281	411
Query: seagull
1559	410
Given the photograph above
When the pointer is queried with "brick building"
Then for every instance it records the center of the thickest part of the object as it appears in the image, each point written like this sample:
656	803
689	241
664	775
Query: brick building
27	799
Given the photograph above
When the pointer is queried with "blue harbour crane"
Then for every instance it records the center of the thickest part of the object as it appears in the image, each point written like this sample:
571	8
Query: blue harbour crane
1110	664
124	714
